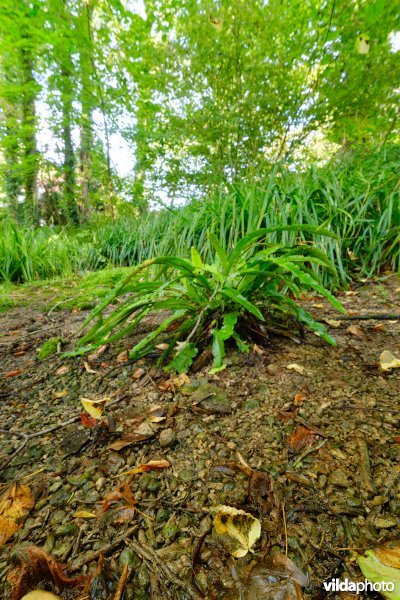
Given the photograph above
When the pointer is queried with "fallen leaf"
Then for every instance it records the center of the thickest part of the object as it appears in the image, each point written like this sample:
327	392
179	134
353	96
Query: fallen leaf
13	373
300	438
95	408
333	322
296	367
84	514
319	305
88	368
383	565
15	505
388	361
258	350
299	399
98	353
19	353
31	566
379	327
122	492
355	330
152	465
138	373
123	356
350	293
87	420
129	440
63	370
60	394
157	414
174	382
276	578
162	346
41	595
236	529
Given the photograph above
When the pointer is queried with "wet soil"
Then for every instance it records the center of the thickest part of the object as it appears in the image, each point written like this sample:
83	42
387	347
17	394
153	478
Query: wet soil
320	423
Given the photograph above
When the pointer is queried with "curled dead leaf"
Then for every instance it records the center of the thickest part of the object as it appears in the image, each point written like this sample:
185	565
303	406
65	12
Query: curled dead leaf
15	505
152	465
63	370
300	438
174	383
123	356
276	578
33	565
355	330
138	373
88	368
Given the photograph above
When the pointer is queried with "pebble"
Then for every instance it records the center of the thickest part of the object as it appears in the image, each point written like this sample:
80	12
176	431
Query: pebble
167	437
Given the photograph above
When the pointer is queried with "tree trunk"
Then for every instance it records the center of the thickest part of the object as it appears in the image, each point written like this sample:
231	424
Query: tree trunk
28	131
69	156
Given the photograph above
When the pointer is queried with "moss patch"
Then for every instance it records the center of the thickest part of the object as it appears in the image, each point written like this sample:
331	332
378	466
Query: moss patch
50	347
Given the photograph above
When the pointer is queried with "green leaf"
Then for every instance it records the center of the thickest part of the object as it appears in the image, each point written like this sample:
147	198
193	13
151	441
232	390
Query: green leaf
182	360
218	249
196	258
145	342
239	299
377	572
228	325
218	351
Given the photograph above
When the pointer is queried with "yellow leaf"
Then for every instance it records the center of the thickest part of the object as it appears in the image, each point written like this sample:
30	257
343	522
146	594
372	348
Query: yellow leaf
40	595
216	22
95	408
84	514
61	394
237	529
152	465
333	322
355	330
296	367
362	43
388	361
88	368
15	504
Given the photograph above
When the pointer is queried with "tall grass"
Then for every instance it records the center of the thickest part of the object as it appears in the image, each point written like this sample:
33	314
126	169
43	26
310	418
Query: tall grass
358	200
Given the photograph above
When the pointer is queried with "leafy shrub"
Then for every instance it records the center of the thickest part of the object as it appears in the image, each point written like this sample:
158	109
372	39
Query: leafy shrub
240	295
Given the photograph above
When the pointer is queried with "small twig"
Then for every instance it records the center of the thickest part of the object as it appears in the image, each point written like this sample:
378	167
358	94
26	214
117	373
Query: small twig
122	582
76	566
285	528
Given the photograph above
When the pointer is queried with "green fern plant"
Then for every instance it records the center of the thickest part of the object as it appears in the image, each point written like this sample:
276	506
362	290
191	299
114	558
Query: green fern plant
242	295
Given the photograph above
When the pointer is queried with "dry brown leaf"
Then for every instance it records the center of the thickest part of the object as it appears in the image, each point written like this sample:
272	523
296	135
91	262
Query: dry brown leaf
152	465
174	382
123	356
129	439
355	330
98	353
333	322
379	327
121	492
138	373
15	505
33	565
13	373
276	578
350	293
319	305
258	350
299	399
300	438
63	370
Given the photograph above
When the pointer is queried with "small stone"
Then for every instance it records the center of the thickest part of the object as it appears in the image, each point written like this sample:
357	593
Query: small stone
272	369
55	486
167	437
231	445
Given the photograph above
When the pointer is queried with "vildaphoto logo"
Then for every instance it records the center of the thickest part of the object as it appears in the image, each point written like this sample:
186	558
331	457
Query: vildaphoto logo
336	585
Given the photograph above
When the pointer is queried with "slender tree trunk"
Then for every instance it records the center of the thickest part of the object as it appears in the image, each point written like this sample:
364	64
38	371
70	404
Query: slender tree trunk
28	129
69	156
86	100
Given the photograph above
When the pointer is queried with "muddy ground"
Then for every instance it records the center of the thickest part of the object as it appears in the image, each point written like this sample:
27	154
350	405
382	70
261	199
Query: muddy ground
319	425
